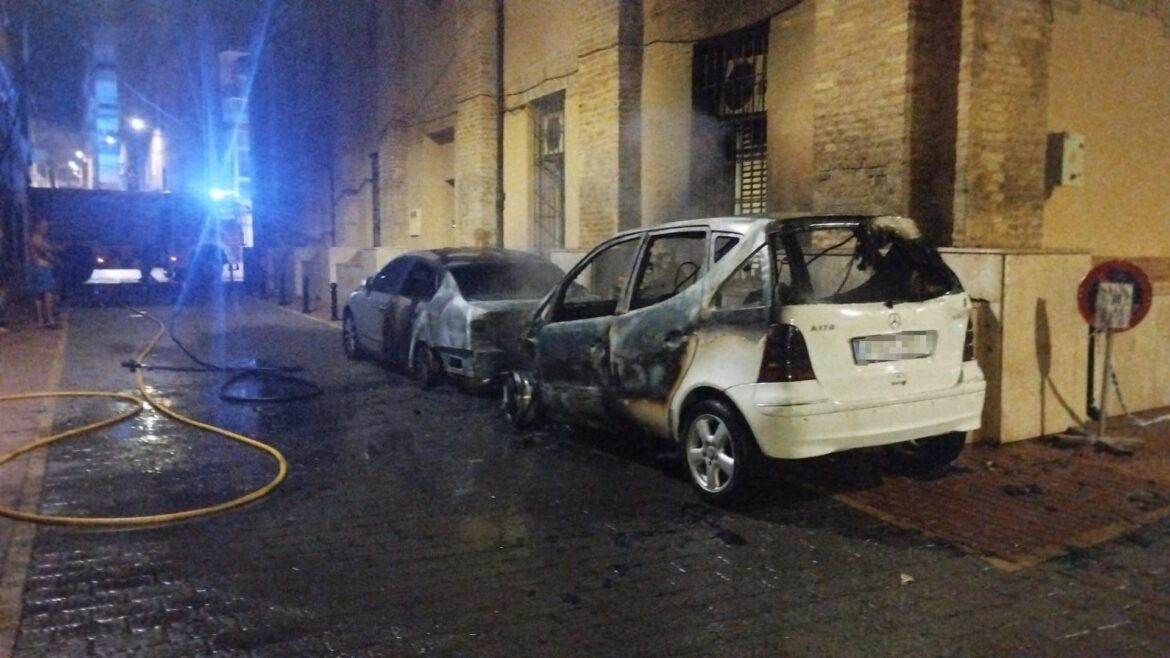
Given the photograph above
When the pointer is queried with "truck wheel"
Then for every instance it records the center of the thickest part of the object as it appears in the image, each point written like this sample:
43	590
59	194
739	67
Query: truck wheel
76	265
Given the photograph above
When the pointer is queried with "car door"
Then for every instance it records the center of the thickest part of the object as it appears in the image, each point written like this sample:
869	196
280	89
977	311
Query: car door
418	287
573	343
651	343
369	308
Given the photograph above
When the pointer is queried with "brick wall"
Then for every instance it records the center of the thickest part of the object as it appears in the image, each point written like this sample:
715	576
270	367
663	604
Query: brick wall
608	94
1002	124
934	77
475	123
860	106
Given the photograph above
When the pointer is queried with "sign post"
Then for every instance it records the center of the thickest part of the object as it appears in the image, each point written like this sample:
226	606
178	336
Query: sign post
1113	297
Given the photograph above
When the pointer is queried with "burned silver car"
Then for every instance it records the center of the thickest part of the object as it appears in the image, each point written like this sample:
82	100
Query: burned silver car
752	338
447	312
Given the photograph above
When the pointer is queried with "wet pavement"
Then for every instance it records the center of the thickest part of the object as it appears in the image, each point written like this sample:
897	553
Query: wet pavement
416	522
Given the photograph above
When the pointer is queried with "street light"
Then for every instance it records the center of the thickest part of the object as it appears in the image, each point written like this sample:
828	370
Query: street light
137	124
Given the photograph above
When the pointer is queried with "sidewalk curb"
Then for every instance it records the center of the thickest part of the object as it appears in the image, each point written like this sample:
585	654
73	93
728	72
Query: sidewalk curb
17	538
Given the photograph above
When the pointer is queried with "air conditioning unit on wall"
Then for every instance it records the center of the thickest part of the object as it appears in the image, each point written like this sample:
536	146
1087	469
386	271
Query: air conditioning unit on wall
742	89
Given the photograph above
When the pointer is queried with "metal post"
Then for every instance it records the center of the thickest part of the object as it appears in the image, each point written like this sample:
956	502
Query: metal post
1105	384
333	302
305	294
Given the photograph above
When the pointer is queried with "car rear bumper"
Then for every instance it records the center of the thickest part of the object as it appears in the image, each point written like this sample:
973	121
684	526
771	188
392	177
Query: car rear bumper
795	431
476	367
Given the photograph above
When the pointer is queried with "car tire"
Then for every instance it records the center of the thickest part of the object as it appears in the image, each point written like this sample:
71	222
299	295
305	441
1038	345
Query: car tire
720	453
424	366
519	401
349	338
925	458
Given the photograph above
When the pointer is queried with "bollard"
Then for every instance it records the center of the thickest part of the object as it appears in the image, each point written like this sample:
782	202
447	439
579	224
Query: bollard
305	295
283	293
333	302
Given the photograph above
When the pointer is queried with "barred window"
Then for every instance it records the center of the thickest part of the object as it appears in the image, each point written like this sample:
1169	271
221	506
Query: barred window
548	117
729	87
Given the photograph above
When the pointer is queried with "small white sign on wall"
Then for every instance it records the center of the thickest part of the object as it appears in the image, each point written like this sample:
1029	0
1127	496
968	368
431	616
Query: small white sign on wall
1114	305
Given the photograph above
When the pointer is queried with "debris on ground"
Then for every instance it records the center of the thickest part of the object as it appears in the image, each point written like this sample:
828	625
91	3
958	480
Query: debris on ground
1021	489
1148	500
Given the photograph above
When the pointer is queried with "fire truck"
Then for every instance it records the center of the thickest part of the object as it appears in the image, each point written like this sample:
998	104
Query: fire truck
112	236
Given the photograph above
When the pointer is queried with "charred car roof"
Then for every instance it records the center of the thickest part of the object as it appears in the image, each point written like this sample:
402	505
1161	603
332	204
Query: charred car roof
448	256
777	222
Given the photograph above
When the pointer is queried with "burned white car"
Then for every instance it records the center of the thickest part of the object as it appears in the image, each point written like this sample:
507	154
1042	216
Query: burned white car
447	312
746	338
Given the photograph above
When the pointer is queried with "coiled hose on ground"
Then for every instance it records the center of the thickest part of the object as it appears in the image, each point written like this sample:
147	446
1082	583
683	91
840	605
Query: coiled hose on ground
137	405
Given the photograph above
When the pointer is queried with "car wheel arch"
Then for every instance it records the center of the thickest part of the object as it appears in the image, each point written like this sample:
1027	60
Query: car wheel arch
678	414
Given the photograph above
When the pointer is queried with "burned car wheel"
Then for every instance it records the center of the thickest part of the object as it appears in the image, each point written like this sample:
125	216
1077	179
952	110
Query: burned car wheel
349	338
424	367
925	458
519	401
721	453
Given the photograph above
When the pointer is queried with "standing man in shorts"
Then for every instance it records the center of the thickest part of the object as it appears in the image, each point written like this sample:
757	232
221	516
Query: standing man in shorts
44	256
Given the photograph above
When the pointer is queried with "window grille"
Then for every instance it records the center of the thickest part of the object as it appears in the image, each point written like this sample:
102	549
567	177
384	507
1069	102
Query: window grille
548	115
730	84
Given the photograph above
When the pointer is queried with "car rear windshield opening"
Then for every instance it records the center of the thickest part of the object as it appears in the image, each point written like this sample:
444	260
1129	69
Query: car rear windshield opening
857	264
496	281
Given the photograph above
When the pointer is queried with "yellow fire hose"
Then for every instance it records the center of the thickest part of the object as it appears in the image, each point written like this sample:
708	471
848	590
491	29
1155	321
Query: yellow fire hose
138	404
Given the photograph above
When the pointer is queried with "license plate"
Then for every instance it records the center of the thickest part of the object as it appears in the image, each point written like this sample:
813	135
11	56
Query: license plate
894	347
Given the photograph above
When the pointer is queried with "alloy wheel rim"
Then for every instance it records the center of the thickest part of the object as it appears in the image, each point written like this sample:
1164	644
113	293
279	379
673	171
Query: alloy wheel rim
710	453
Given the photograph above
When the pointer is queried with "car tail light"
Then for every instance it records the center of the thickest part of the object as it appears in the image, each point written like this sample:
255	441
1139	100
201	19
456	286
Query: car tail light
969	342
786	356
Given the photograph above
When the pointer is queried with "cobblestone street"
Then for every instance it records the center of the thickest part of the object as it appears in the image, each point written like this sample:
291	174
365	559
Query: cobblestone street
417	522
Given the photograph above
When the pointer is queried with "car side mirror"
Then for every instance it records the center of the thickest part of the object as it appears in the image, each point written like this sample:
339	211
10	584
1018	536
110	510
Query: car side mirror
368	283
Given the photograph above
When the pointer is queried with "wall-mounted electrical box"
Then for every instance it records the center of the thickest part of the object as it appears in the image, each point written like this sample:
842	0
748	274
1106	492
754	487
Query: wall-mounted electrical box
414	222
1072	159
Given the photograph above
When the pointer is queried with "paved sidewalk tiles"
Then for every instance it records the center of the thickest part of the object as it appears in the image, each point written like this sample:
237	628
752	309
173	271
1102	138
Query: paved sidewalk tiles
31	360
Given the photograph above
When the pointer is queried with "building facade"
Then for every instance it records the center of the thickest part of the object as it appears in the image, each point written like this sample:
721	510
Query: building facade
548	126
14	158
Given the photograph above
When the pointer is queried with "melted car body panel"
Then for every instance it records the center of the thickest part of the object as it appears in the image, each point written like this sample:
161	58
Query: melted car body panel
883	319
475	339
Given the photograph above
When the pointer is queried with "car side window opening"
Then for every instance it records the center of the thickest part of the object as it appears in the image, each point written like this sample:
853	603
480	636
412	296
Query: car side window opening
841	265
595	290
420	282
723	244
391	276
671	264
507	280
746	285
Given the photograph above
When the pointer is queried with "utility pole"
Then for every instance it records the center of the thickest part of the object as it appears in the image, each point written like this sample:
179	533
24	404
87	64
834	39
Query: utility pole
332	207
376	198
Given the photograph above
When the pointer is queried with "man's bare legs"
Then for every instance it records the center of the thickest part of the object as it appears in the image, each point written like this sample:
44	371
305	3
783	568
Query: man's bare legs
44	309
